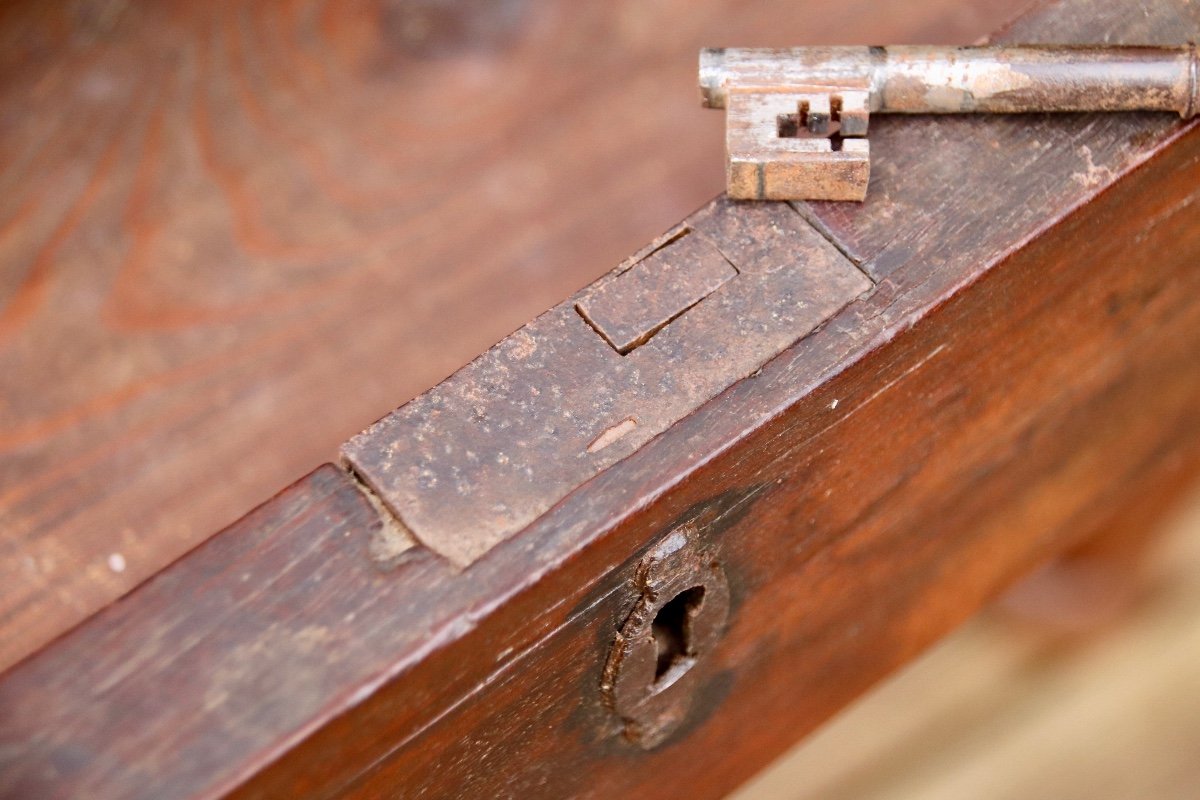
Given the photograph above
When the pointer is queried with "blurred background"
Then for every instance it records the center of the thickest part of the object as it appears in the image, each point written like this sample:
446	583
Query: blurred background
234	234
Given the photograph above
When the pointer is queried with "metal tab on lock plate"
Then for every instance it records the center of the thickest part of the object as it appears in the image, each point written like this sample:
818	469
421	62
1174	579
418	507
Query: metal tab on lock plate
477	458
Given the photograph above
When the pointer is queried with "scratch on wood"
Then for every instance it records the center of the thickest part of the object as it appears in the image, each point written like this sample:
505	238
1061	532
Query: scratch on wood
612	434
881	390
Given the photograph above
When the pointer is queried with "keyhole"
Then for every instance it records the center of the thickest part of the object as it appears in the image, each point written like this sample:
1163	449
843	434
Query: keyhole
671	629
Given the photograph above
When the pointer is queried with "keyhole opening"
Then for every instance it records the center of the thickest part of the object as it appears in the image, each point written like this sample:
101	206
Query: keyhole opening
672	629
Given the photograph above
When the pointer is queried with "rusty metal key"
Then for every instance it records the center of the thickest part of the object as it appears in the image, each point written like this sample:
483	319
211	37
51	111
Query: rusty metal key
796	119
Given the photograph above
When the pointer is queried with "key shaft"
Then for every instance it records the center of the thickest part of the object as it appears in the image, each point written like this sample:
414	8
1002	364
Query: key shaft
795	117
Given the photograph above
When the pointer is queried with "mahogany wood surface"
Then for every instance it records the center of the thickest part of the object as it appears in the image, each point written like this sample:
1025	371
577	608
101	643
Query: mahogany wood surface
233	234
1022	371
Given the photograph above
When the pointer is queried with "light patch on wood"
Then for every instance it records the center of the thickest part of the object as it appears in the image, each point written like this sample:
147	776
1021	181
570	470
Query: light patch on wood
1093	174
389	541
616	432
392	538
521	346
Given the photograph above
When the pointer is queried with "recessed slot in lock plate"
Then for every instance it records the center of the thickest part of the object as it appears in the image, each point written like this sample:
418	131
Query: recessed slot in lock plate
629	309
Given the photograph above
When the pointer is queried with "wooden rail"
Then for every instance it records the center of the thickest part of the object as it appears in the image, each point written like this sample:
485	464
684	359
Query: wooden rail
1013	363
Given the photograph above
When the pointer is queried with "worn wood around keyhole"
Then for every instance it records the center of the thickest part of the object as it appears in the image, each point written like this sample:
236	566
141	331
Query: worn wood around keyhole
649	679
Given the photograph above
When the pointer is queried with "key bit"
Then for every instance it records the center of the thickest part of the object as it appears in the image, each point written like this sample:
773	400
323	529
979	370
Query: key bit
796	119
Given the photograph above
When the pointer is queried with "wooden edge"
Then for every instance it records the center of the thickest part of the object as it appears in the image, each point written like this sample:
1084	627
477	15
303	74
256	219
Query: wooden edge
862	494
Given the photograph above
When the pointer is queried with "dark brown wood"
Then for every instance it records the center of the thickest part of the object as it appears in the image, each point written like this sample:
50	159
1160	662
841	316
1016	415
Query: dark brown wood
1015	378
227	242
230	633
944	481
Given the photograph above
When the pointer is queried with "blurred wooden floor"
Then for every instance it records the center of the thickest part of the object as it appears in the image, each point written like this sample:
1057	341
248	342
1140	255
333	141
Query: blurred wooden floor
1009	710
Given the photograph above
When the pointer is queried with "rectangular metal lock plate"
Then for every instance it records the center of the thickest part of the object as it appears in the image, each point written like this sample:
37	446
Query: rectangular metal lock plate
479	457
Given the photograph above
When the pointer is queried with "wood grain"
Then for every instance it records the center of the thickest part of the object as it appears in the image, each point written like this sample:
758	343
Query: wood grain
995	398
1012	708
233	234
858	539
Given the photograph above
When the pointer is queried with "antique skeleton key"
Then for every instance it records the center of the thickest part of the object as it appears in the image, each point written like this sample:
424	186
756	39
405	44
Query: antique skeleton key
796	120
